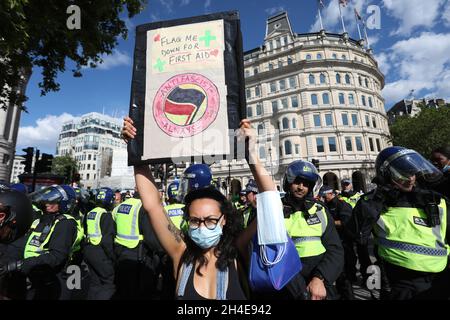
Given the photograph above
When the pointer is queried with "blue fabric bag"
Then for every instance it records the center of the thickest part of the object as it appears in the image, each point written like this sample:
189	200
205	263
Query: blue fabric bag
272	266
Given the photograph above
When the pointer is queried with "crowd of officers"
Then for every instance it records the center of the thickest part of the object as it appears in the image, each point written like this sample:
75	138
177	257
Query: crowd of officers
108	240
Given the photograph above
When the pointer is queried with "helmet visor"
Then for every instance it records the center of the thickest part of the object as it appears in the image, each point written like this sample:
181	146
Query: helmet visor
47	195
183	189
411	164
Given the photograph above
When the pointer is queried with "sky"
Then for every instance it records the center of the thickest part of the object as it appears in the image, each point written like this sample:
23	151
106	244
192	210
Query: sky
411	44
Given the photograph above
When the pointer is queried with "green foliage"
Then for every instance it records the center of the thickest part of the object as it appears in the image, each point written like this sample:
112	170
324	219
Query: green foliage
64	166
34	33
424	132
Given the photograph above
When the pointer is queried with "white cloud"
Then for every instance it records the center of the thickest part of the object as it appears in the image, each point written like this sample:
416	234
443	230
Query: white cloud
383	63
446	14
207	4
273	10
44	134
118	58
421	63
373	40
168	4
185	2
413	13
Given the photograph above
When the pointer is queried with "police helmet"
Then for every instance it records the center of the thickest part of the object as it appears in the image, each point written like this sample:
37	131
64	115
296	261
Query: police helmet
251	186
19	213
304	170
399	164
63	195
104	197
19	187
172	189
197	176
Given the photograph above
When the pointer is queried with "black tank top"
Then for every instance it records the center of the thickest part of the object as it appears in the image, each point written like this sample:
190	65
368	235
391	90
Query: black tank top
234	290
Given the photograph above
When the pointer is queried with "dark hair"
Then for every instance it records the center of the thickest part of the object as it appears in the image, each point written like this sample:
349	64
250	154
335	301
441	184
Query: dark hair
444	150
225	251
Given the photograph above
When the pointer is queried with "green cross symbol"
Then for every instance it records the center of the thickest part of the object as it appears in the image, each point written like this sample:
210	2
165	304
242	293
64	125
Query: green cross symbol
207	38
159	65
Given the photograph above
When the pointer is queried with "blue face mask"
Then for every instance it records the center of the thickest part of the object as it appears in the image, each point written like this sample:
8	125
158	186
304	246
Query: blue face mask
205	238
446	168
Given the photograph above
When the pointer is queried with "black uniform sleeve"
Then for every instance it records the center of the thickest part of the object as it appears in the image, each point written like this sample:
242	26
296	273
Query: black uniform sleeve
365	214
59	247
108	229
345	212
332	262
150	238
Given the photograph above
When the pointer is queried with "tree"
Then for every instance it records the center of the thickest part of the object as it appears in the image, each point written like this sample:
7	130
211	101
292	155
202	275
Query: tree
65	166
36	33
423	132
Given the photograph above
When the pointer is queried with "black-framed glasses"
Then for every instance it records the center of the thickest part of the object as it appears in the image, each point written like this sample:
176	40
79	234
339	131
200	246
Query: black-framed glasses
210	223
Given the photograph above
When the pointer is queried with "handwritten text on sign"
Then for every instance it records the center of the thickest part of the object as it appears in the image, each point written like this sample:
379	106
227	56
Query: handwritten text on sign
187	47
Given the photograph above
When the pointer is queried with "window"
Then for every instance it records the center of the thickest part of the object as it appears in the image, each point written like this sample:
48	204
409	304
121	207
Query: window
249	112
328	119
270	66
344	57
89	166
332	144
278	42
308	57
363	98
294	123
297	149
351	100
294	102
312	79
273	87
360	80
284	103
285	39
257	91
367	121
87	176
322	78
319	144
317	120
292	82
366	82
341	98
287	147
314	99
344	119
260	128
334	56
371	145
359	146
274	106
282	83
347	79
370	102
319	56
248	93
6	158
325	98
338	78
285	123
289	60
255	71
378	145
374	122
348	144
89	157
259	109
262	153
354	119
280	63
93	167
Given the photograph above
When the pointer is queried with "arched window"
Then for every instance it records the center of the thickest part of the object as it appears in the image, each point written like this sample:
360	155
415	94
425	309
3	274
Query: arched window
294	123
325	98
255	71
319	56
366	82
360	80
344	57
260	128
351	100
270	66
370	102
289	60
334	56
249	112
322	78
347	79
259	109
308	57
312	79
341	98
287	147
262	152
285	123
314	99
280	63
363	98
338	78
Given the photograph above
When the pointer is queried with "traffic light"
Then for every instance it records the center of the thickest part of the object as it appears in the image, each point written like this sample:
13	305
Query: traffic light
28	162
44	164
315	162
171	170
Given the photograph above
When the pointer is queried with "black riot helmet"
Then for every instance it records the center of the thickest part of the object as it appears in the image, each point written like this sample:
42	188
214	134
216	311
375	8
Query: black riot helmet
19	214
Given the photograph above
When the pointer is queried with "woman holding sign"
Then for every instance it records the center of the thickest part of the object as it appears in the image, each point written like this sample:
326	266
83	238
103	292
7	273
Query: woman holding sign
204	256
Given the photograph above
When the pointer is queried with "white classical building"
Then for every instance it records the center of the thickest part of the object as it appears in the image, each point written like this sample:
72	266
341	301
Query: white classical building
92	141
9	125
315	96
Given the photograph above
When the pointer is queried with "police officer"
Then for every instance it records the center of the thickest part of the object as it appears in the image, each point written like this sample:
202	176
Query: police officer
341	212
410	223
312	229
137	252
99	250
241	204
49	244
37	213
348	194
249	213
15	220
174	209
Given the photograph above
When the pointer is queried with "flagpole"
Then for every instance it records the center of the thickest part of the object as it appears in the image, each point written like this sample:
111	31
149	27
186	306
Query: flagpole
365	34
357	24
342	19
320	18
